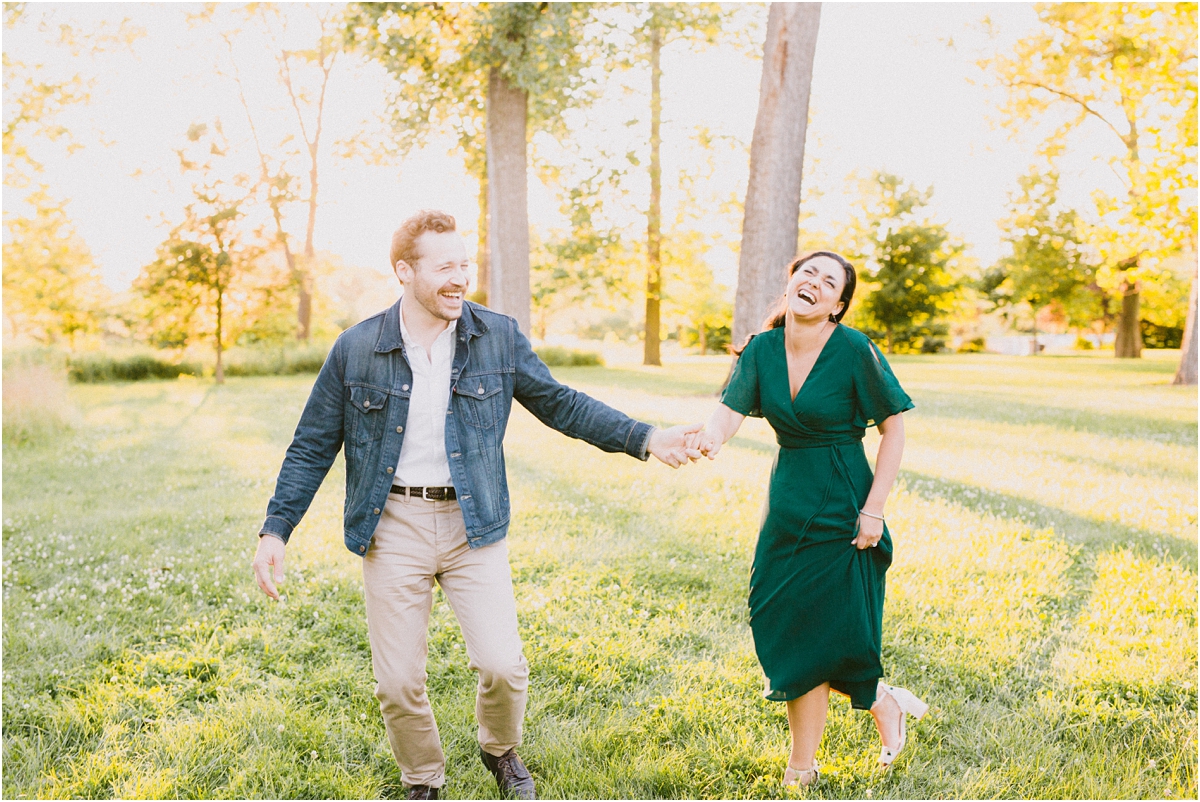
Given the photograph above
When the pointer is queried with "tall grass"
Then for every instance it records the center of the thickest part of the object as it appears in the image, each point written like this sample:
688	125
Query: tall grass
36	402
1054	634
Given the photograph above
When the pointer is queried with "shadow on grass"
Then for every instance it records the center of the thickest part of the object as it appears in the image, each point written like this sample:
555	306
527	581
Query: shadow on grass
1094	536
967	407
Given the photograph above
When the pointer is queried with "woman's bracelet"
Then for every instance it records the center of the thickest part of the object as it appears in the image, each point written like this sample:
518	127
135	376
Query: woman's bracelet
870	515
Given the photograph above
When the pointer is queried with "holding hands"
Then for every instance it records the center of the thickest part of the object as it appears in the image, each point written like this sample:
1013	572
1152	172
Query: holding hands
681	444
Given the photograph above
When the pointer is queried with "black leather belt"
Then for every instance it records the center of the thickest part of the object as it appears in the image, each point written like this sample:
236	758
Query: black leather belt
427	493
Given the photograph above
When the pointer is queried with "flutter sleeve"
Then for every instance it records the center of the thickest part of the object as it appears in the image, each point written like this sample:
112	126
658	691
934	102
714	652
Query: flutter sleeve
877	393
742	392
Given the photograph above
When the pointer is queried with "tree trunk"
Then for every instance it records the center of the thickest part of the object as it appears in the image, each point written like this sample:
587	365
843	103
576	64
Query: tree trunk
1129	328
891	342
771	226
219	374
481	249
304	308
1187	358
508	199
1035	342
703	337
654	216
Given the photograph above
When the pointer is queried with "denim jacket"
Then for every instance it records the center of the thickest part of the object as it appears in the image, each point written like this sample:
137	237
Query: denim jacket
361	398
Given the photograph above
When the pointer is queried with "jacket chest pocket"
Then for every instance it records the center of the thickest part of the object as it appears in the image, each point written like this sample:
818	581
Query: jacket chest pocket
480	398
366	419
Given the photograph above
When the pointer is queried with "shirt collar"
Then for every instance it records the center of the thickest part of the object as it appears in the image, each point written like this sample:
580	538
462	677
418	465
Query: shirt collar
409	342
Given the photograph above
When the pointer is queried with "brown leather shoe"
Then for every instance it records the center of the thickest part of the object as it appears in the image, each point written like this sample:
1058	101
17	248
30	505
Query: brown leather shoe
422	792
510	773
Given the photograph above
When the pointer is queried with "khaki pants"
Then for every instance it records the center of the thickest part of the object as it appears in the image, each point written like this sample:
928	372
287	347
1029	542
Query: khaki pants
417	542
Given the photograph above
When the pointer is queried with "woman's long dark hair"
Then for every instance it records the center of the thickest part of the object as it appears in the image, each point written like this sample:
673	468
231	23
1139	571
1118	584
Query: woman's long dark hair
778	315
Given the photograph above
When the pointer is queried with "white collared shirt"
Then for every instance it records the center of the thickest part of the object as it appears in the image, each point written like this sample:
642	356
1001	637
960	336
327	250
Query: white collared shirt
423	461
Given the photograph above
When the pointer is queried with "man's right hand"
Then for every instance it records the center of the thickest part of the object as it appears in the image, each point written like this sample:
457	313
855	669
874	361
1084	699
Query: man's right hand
673	446
267	560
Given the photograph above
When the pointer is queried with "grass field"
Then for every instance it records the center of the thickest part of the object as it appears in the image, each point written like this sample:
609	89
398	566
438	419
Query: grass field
1043	600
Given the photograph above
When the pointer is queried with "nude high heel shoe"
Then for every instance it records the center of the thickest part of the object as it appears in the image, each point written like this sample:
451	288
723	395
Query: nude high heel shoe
909	705
799	778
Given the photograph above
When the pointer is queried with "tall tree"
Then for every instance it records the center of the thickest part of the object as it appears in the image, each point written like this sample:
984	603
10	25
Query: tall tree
486	71
303	76
52	288
664	23
912	260
188	288
1132	68
1186	374
1048	264
771	225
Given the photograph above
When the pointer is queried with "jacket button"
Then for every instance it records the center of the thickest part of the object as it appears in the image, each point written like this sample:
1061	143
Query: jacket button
480	391
361	549
399	429
376	510
389	470
404	387
366	403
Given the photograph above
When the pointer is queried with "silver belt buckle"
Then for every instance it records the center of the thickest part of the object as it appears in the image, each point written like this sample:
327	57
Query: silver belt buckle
425	494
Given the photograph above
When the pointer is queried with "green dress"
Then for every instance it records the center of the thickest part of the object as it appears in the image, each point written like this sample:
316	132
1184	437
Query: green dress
816	600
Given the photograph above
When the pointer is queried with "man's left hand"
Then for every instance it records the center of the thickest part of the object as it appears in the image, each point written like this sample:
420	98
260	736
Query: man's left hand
675	446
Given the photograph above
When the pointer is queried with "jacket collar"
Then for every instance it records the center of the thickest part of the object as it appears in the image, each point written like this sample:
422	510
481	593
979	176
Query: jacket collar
389	336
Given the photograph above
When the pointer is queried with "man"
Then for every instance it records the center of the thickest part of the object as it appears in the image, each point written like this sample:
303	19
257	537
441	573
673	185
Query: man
420	397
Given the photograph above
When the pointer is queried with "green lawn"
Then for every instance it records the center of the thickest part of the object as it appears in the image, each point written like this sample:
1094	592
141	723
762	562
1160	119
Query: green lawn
1043	600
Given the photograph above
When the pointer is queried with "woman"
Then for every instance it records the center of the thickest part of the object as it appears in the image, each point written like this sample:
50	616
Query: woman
816	588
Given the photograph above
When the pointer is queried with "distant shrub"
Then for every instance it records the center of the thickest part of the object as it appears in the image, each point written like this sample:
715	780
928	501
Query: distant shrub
99	366
1084	344
932	345
261	361
1161	336
36	404
623	327
973	346
555	356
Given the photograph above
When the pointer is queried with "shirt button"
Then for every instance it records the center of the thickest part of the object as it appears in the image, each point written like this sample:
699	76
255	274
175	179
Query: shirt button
361	549
390	470
376	510
399	429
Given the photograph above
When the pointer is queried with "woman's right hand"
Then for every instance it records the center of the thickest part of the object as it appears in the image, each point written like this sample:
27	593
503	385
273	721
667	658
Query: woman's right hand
707	444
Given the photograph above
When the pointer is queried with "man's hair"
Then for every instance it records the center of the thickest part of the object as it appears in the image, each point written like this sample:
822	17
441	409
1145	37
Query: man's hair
404	239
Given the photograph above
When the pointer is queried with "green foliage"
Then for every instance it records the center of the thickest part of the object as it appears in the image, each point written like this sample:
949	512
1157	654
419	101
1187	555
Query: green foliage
441	54
52	288
1048	263
1049	621
975	345
92	367
555	356
1132	66
1161	336
268	361
913	265
192	290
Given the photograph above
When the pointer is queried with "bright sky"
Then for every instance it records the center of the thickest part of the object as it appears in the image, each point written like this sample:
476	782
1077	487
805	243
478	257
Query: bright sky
889	92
